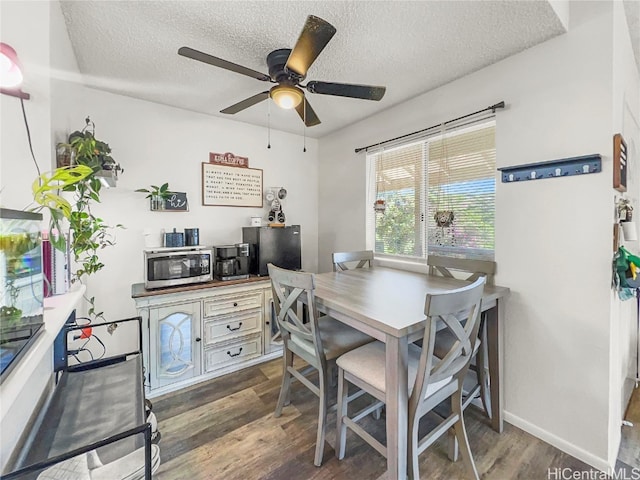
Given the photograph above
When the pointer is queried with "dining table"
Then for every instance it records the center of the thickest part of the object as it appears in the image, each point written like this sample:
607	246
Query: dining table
388	304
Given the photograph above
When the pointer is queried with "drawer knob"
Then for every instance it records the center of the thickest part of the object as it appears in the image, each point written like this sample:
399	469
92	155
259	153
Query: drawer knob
235	354
198	339
235	304
234	329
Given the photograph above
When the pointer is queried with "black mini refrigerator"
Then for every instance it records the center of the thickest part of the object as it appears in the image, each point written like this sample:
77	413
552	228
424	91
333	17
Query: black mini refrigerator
277	245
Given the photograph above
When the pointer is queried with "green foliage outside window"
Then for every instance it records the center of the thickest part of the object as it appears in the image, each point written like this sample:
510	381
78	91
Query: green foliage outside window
396	229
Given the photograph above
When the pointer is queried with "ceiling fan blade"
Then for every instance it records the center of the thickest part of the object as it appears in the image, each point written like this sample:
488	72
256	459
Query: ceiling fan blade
315	35
305	111
218	62
365	92
246	103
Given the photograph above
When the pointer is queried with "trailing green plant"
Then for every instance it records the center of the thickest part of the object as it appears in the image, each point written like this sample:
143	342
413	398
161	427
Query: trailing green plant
88	233
45	193
89	151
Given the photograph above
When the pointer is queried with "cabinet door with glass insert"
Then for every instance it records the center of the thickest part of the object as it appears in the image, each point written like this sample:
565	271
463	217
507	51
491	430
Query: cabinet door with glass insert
175	344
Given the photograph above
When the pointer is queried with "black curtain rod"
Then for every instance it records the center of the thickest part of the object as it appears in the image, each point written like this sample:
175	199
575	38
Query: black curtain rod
493	108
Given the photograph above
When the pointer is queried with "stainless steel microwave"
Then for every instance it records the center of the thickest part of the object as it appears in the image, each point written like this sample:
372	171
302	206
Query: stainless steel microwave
168	267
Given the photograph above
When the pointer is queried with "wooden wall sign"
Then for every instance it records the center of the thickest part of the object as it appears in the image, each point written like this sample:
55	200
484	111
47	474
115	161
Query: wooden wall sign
177	202
231	186
619	163
228	159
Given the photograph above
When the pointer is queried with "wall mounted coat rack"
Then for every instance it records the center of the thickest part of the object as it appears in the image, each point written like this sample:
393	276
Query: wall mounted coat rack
564	167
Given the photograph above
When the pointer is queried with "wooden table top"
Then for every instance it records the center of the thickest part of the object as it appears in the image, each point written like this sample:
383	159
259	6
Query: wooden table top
387	299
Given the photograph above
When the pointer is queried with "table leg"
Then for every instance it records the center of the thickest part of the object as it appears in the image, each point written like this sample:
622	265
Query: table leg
397	407
494	354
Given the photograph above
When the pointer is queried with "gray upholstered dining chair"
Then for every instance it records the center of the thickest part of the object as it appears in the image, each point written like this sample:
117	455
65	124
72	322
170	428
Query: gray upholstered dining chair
316	339
431	380
343	260
470	270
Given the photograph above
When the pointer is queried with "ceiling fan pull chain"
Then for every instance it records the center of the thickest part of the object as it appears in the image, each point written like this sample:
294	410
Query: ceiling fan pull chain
268	123
304	126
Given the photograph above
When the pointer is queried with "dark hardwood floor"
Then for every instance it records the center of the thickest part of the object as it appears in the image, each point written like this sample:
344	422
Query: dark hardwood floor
225	429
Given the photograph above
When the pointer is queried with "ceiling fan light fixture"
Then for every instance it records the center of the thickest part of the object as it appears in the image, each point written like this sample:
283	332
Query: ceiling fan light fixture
286	96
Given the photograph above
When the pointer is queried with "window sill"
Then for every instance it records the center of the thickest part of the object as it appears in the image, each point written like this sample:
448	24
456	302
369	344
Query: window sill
410	265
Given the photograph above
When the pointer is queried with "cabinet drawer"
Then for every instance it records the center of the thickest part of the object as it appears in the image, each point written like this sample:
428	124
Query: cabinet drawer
230	326
236	302
233	352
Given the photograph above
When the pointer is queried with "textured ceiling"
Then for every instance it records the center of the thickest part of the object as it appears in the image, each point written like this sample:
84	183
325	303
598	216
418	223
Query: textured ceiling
130	48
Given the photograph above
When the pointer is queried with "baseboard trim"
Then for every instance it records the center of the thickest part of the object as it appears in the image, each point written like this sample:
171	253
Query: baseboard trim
577	452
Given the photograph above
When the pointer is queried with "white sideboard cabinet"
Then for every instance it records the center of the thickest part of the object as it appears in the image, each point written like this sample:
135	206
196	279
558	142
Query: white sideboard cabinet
197	332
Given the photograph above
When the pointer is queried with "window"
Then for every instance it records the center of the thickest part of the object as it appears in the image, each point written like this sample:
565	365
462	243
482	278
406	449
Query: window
417	180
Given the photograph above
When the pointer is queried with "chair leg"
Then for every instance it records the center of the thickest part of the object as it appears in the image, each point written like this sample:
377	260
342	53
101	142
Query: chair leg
481	371
452	449
461	435
412	447
342	408
333	375
283	399
322	417
377	413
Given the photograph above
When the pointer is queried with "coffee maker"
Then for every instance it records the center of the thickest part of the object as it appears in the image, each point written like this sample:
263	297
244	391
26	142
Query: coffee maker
231	261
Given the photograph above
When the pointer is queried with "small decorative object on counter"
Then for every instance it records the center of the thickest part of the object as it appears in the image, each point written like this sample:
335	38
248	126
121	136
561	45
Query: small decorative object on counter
191	237
152	239
274	196
380	206
174	239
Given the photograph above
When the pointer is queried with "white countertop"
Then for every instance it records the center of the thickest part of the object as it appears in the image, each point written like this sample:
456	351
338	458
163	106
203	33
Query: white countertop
56	312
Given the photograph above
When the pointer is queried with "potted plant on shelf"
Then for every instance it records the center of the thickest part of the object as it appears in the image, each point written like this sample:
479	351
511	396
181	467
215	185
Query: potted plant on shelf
156	195
83	182
83	148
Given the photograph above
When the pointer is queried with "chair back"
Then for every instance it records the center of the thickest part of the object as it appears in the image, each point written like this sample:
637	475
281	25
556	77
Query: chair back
458	310
296	313
448	266
341	259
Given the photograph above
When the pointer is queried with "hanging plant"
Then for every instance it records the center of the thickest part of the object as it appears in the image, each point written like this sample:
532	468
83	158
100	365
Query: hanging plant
88	233
444	215
444	218
380	206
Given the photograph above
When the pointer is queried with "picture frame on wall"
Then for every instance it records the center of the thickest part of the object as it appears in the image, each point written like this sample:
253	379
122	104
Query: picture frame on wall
231	186
620	173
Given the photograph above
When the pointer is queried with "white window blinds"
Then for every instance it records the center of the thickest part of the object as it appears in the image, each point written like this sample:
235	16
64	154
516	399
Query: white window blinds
451	175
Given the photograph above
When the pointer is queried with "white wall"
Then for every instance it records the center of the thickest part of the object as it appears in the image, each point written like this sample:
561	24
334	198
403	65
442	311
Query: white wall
17	170
154	144
625	120
157	144
553	237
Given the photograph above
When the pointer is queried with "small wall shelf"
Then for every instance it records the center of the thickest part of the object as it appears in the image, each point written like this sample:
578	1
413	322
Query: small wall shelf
564	167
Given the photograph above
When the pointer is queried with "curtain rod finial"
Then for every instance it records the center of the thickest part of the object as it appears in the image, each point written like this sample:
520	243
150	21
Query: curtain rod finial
496	106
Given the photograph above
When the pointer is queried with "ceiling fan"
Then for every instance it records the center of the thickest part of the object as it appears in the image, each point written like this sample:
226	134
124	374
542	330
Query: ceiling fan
288	68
